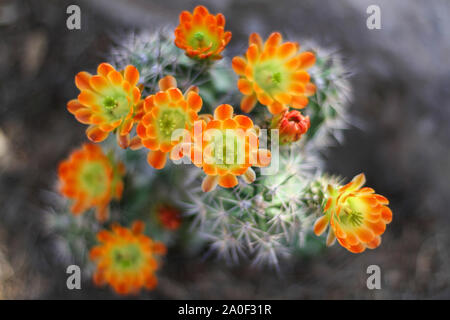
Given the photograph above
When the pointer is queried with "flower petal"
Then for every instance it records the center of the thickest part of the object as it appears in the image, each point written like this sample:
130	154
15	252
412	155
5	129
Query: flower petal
104	69
248	103
175	94
252	54
123	140
239	65
98	83
87	97
249	176
194	101
115	77
277	107
301	76
245	86
167	82
310	89
136	143
283	98
255	38
95	134
273	41
228	181
83	115
320	225
209	183
286	50
244	121
331	238
131	75
308	59
224	111
161	98
82	80
157	159
364	234
299	102
386	214
74	105
374	243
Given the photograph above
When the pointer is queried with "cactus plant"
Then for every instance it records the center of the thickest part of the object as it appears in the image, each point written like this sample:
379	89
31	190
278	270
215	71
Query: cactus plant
265	217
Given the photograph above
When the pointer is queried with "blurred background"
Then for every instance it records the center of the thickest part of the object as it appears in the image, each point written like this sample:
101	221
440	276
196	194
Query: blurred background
401	107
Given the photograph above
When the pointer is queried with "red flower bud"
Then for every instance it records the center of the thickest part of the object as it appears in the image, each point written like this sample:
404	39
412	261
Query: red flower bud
292	125
169	217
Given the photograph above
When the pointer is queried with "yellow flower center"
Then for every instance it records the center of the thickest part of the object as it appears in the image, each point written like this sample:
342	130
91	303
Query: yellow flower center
110	103
115	102
202	39
199	36
169	121
228	149
351	217
127	256
276	77
269	76
94	178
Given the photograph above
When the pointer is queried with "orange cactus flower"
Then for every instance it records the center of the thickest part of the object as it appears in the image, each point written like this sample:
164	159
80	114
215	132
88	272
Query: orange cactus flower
292	125
108	101
164	114
225	147
126	259
274	73
91	179
202	34
169	216
357	216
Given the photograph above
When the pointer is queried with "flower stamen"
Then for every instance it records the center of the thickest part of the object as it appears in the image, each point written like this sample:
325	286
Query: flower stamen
110	103
276	77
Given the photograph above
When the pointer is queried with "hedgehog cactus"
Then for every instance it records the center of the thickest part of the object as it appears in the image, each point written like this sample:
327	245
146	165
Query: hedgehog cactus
262	220
327	108
273	217
156	56
272	211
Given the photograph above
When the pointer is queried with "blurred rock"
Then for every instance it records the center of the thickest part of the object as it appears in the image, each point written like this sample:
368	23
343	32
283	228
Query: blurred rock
34	51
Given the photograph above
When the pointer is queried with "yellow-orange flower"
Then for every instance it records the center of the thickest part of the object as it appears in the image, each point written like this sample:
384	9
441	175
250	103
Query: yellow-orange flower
108	101
91	179
225	147
164	113
274	73
126	259
202	34
357	216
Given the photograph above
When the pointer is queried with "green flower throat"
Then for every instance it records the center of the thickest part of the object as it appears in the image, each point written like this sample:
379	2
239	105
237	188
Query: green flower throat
170	120
127	257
